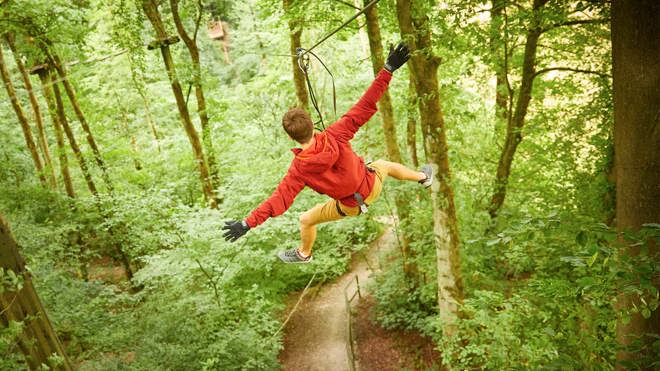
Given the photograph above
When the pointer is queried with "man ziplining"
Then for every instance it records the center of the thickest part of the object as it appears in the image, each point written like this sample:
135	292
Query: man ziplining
327	164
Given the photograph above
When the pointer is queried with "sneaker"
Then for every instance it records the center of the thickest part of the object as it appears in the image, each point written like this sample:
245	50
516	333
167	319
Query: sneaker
428	170
293	256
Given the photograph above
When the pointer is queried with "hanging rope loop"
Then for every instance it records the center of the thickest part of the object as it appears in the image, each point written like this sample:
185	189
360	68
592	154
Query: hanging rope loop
304	65
304	62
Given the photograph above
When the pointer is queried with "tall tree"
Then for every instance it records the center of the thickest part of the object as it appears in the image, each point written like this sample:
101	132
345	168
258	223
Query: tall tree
385	102
61	115
193	51
497	50
55	61
22	118
389	130
38	340
292	11
150	8
38	118
423	64
517	119
516	113
57	126
411	127
636	74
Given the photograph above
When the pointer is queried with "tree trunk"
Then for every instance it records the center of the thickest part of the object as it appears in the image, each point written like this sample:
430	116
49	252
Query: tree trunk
295	32
193	51
150	119
135	152
150	8
38	118
18	108
516	122
362	35
70	137
71	94
636	76
389	130
59	136
411	135
38	341
423	65
385	102
497	52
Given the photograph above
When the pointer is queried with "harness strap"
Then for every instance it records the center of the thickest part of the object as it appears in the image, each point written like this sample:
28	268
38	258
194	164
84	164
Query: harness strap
363	206
339	210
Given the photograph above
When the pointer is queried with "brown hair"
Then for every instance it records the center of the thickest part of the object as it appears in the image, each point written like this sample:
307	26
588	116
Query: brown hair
297	123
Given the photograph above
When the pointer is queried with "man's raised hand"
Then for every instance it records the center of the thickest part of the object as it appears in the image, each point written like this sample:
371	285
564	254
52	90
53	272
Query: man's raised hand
398	56
235	229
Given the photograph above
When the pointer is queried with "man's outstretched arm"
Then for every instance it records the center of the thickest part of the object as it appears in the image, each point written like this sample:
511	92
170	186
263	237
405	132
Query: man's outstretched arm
275	205
346	127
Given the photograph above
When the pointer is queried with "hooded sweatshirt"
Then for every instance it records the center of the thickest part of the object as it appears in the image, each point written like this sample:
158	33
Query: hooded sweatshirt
329	166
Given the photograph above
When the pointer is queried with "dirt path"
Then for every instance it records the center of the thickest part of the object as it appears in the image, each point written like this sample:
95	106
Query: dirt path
315	337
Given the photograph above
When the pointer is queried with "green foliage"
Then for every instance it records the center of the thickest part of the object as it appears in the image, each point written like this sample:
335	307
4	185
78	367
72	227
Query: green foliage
539	284
9	336
555	306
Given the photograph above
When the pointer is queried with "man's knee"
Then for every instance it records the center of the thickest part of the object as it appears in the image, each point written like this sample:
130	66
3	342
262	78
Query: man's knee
381	163
306	219
383	166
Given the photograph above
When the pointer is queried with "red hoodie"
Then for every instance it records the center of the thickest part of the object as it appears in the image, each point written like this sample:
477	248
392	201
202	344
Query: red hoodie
329	166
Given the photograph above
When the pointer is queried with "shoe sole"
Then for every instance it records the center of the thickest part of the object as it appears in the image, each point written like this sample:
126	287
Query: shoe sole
296	262
430	176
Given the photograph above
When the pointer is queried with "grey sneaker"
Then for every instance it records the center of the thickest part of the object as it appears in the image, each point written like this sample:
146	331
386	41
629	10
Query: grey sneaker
293	256
428	170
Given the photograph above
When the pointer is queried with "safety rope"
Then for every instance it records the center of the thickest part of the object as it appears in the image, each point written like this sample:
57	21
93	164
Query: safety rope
302	295
304	63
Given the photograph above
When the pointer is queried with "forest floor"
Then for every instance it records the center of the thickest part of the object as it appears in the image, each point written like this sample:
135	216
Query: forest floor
316	335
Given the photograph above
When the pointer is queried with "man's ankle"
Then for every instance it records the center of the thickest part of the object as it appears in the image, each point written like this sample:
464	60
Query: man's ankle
302	254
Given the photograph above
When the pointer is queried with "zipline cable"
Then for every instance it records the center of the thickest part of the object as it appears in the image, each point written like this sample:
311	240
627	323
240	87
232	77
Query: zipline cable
343	25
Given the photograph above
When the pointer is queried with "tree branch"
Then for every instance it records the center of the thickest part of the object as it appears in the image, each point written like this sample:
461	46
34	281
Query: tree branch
575	22
544	70
506	68
211	281
348	4
200	9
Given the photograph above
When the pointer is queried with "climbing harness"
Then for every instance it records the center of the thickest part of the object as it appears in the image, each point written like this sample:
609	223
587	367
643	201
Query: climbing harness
304	63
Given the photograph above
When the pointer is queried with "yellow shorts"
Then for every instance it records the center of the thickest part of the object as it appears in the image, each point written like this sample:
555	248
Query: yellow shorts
329	211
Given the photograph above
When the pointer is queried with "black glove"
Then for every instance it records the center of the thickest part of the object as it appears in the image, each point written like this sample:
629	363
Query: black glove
397	57
235	229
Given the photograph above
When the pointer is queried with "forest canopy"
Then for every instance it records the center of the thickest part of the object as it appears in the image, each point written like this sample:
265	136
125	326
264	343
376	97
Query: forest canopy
133	131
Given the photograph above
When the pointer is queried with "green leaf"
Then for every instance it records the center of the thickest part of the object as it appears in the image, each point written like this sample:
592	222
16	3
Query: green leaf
493	242
592	259
646	313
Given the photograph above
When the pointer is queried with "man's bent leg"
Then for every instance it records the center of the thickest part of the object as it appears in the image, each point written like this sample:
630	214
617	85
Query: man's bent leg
399	171
320	213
